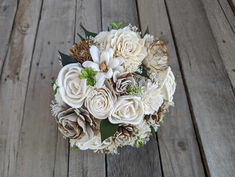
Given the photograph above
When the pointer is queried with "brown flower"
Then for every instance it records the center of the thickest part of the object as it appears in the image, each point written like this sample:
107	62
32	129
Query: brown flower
77	124
157	117
122	82
158	57
80	51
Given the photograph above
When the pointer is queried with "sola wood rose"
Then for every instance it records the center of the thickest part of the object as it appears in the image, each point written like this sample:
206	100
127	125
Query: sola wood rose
113	89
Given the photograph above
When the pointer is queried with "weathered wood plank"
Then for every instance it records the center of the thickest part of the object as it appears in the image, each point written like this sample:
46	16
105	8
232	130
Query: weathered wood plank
14	81
7	15
42	151
87	163
209	88
178	146
222	22
144	161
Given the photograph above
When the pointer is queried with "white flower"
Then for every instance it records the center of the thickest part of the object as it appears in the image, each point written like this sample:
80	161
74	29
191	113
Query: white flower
104	63
151	97
168	84
128	109
94	143
100	102
126	44
73	90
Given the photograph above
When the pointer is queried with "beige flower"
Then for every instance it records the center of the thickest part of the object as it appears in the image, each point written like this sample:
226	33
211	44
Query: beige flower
73	90
76	124
93	143
151	97
168	85
128	109
100	102
121	82
157	58
126	44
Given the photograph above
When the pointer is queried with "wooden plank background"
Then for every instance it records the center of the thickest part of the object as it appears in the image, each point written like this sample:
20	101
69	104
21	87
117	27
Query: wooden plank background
198	136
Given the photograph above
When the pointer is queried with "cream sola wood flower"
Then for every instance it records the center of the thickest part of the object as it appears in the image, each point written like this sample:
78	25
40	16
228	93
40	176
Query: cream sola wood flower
104	63
126	44
128	109
72	89
100	102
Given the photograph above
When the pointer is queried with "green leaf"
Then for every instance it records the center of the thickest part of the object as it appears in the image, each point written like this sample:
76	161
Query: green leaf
55	91
146	31
89	74
115	26
65	59
120	25
162	121
75	148
153	132
87	33
82	38
107	129
143	72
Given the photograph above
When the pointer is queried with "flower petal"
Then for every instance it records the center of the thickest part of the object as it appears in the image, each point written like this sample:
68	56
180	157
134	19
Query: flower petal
104	57
94	66
94	51
109	74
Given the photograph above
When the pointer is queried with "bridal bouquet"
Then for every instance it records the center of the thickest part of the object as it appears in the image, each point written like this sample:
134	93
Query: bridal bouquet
113	89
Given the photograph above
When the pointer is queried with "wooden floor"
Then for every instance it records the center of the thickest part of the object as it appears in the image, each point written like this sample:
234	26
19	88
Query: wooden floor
198	136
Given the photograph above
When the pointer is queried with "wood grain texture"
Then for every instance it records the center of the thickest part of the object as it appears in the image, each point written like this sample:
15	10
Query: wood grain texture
209	88
222	22
7	14
177	138
42	150
13	83
87	163
143	161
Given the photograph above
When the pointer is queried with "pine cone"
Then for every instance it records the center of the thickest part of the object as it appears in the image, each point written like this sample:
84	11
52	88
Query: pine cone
125	134
80	51
157	117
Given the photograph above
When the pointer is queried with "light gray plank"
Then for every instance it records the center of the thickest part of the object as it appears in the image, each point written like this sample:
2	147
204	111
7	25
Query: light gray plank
42	151
144	161
7	15
87	163
178	146
222	22
14	80
209	88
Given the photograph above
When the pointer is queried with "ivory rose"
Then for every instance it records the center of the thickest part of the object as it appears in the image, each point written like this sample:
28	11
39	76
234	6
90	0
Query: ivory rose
126	44
100	102
128	109
73	90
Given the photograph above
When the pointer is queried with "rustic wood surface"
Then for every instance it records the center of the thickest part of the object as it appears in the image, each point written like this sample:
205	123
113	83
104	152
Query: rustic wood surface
198	136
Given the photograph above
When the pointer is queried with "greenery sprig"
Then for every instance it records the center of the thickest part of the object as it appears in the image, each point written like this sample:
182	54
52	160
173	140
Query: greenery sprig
139	142
115	26
56	88
134	91
89	74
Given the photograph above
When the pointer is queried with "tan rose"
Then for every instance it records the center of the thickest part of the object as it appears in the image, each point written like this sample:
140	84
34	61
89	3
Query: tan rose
77	124
157	58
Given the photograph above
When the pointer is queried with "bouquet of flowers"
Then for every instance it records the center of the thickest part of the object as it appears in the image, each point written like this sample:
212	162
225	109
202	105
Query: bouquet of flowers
113	89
